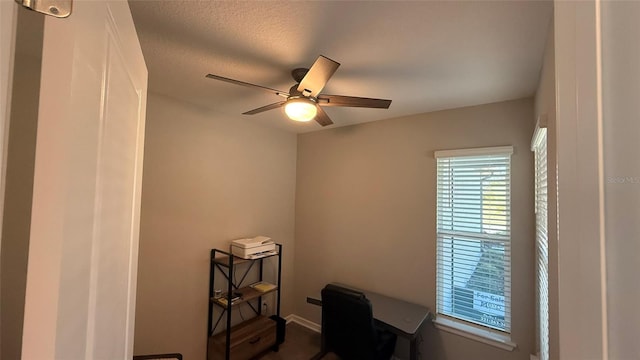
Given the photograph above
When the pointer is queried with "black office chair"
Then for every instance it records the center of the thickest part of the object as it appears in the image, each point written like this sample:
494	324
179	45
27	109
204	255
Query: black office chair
348	328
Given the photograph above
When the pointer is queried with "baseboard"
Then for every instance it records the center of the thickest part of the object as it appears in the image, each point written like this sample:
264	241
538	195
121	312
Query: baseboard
303	322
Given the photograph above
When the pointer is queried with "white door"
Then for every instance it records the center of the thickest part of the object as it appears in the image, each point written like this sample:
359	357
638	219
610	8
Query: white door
81	279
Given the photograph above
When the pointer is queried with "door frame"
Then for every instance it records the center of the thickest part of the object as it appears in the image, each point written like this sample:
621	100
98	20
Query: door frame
8	25
582	285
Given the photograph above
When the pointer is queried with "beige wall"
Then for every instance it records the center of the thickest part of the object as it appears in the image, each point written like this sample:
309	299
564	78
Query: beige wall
621	135
19	180
545	105
365	213
208	179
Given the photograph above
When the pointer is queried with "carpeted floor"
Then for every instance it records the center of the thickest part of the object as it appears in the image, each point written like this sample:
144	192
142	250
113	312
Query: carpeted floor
300	344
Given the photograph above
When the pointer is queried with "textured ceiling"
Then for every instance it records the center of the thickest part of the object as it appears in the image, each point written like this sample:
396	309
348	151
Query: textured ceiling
425	56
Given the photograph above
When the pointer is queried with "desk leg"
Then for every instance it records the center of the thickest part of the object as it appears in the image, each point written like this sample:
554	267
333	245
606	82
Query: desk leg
413	348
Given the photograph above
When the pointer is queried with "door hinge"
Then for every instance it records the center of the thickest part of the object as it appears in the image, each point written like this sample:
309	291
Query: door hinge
56	8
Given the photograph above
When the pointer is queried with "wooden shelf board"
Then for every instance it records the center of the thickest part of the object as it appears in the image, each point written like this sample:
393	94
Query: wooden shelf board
224	259
248	294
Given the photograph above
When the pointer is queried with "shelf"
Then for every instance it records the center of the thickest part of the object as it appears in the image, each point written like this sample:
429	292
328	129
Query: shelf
247	339
248	294
224	260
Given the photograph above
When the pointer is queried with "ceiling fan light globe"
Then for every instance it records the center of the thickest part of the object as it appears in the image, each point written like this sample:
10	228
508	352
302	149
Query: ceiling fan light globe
300	109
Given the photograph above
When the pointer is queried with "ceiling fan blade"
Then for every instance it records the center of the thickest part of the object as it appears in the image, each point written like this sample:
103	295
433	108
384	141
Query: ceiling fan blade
322	118
264	108
317	76
238	82
352	101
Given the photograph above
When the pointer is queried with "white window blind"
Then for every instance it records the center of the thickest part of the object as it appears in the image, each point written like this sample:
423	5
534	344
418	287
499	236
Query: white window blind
474	236
542	243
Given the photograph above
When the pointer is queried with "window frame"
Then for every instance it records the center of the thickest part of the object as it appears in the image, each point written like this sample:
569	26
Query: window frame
539	146
491	335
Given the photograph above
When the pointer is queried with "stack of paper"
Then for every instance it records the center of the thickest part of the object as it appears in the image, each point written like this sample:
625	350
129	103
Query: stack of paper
263	286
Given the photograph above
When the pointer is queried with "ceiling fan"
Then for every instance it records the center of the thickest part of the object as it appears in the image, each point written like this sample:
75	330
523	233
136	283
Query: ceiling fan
304	101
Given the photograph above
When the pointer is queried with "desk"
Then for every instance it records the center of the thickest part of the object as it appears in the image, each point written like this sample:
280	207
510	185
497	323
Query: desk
398	316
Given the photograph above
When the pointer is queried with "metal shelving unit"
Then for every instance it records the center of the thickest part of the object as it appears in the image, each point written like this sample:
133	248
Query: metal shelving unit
221	308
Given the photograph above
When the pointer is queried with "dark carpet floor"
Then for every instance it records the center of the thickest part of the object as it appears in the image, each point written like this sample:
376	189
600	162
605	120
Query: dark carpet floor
300	344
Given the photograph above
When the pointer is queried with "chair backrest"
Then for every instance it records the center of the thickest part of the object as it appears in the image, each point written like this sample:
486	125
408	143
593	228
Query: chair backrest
347	323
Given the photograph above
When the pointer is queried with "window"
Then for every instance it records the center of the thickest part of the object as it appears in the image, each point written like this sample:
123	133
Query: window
539	147
474	236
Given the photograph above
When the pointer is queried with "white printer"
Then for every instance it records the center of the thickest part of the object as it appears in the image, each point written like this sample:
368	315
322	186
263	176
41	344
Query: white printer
253	248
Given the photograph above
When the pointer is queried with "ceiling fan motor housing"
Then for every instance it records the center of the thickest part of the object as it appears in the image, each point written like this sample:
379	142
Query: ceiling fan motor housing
293	91
304	100
298	74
